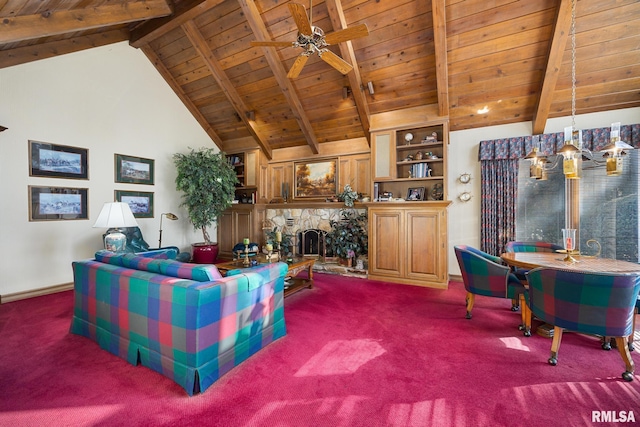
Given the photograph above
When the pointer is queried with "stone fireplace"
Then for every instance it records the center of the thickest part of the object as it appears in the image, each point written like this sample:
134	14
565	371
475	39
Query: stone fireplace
307	225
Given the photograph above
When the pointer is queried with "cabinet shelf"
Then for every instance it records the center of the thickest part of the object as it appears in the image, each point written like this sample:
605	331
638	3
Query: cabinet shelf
413	162
423	145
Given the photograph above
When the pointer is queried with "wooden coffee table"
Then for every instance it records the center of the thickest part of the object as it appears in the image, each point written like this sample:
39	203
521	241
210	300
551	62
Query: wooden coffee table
292	283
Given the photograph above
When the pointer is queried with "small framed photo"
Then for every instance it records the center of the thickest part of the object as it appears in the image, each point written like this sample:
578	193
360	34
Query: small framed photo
57	203
140	202
415	193
57	161
316	179
134	170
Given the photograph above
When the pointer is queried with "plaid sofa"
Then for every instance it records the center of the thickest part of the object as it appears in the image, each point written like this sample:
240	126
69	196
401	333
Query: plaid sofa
182	320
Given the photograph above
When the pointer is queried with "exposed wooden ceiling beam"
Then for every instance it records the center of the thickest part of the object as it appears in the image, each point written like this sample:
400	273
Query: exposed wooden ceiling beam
561	31
22	55
260	31
200	45
150	53
440	45
46	24
336	13
184	11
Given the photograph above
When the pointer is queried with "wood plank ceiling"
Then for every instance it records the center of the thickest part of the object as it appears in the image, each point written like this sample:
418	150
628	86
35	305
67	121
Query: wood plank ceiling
479	62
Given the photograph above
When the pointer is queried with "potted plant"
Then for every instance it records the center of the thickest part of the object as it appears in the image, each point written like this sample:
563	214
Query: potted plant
348	237
208	182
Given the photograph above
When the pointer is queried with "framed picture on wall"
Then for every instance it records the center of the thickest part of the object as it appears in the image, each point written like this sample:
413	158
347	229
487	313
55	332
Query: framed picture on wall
140	202
57	203
316	179
134	170
57	161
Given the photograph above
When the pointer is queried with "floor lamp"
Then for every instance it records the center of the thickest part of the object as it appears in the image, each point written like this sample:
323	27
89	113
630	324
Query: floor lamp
170	216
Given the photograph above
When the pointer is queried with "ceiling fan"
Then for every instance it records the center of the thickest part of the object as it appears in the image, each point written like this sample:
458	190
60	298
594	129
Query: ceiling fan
313	40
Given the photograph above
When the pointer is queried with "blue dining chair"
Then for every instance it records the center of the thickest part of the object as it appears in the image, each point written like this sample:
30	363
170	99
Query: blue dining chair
592	303
484	274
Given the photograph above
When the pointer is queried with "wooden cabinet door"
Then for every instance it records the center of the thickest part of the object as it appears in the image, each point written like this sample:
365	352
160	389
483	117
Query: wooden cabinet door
225	233
243	225
426	251
386	241
383	155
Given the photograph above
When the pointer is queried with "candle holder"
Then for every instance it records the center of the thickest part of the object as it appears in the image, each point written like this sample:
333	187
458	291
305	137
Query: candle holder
569	242
246	262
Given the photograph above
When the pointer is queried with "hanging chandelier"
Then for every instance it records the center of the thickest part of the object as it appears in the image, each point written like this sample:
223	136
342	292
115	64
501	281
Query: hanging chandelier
572	151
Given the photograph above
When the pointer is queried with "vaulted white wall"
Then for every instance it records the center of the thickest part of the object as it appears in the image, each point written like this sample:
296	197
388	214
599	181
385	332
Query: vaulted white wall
109	100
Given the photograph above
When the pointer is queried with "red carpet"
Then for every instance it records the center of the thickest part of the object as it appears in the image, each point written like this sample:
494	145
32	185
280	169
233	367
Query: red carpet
357	353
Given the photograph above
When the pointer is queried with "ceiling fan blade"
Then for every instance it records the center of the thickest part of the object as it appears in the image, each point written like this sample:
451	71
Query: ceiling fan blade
299	14
274	44
347	34
296	68
336	62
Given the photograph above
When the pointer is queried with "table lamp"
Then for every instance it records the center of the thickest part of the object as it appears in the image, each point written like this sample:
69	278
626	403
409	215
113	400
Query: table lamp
113	216
170	216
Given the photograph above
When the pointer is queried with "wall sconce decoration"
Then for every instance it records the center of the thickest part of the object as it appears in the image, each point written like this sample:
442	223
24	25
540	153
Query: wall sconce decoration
465	197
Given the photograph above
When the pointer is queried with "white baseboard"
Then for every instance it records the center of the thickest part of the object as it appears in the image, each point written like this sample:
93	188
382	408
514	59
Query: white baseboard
35	293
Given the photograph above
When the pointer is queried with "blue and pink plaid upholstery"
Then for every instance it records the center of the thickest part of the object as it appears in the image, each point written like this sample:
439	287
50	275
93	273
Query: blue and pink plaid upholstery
484	274
190	331
592	303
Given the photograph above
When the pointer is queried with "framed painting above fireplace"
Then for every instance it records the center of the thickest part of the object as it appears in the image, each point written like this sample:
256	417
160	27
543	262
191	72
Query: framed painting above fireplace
317	179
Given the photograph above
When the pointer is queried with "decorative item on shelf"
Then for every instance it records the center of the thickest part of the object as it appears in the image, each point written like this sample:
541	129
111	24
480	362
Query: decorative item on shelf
348	196
569	242
437	191
418	155
170	216
415	194
408	137
285	191
409	158
113	216
465	197
465	178
430	138
269	248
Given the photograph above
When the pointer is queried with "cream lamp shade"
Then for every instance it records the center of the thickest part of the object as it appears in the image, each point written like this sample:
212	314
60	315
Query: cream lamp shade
113	216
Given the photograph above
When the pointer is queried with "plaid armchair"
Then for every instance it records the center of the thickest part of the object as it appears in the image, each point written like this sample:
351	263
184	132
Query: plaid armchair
529	247
592	303
484	274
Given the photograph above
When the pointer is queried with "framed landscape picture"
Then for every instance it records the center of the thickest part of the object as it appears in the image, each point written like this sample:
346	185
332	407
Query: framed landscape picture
140	202
134	170
57	203
57	161
316	179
